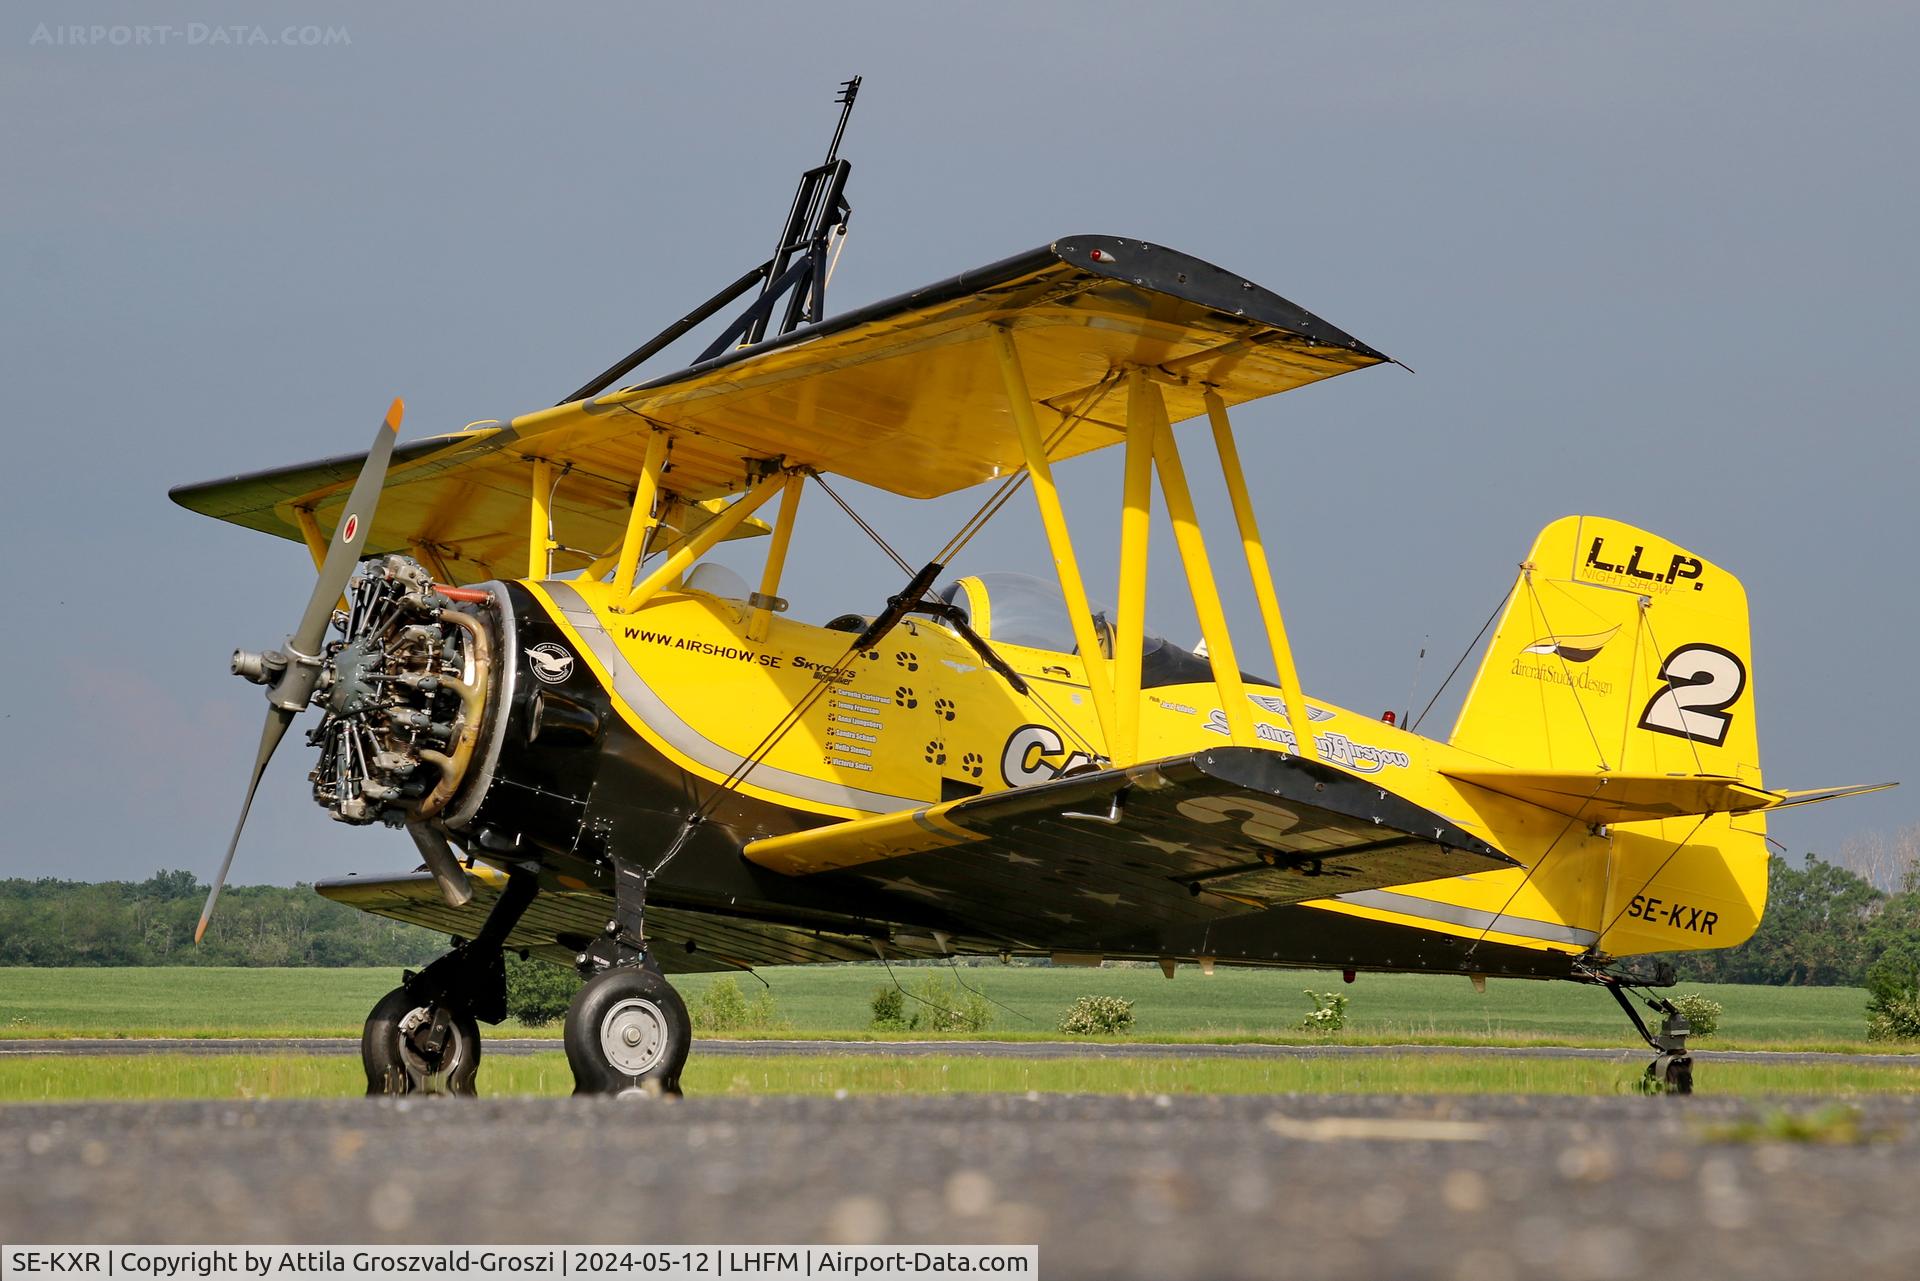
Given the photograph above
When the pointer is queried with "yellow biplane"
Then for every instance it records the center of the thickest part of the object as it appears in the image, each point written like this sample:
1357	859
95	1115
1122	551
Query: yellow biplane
617	755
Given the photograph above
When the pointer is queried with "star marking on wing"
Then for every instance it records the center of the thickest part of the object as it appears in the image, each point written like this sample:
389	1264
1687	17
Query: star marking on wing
1065	918
1017	859
1111	900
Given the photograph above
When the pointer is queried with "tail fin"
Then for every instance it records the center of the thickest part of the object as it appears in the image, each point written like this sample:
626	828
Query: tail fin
1618	689
1618	652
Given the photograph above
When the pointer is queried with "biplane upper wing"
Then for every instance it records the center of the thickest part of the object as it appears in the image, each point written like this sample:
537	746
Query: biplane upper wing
906	395
1102	856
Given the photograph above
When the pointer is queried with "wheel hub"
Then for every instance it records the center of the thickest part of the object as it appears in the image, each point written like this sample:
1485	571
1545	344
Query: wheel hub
634	1036
421	1064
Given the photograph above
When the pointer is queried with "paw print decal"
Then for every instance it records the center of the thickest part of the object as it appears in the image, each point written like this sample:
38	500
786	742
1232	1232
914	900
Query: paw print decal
937	752
908	659
971	763
903	697
943	708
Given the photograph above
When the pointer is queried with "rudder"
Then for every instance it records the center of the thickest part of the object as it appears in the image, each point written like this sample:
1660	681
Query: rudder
1619	651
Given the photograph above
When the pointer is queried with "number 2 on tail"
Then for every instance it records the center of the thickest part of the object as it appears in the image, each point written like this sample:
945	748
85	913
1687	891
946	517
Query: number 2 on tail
1701	682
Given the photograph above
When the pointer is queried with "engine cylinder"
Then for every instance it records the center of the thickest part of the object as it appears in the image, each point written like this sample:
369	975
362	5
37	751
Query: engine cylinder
404	693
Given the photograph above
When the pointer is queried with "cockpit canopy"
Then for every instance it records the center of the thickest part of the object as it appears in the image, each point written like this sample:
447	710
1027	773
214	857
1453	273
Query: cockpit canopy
1011	608
1020	609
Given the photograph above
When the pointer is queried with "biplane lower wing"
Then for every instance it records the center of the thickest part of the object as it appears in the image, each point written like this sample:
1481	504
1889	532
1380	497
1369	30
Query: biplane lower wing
1108	856
559	922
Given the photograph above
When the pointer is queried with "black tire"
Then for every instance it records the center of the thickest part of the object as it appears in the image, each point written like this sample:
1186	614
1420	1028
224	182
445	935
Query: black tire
394	1066
626	1030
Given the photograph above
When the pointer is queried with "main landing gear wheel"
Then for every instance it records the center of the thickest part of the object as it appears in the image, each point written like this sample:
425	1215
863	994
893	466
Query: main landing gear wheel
627	1030
412	1048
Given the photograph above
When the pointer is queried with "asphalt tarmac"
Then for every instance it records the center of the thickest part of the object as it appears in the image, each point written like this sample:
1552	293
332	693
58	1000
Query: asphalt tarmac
948	1049
1485	1188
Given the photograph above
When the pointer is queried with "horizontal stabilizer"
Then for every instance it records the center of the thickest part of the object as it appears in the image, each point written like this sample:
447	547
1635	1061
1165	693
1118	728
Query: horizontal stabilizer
1814	795
1632	798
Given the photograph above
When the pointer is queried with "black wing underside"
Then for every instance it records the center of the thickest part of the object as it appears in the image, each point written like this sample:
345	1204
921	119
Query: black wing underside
559	922
1111	861
1108	860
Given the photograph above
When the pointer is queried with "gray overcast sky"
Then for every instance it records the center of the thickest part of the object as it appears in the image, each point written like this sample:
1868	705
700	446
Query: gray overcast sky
1654	261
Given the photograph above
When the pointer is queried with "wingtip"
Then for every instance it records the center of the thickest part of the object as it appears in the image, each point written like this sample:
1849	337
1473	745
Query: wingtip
395	412
199	931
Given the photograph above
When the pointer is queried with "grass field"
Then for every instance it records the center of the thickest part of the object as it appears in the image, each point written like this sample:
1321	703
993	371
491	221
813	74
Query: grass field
832	1001
310	1076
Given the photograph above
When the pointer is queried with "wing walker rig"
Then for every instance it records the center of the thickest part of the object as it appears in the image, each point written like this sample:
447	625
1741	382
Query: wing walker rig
613	753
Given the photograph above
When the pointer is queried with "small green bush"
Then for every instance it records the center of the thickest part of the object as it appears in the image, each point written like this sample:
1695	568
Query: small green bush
935	1003
538	992
1329	1013
723	1007
1702	1014
889	1006
944	1008
1098	1015
1894	1017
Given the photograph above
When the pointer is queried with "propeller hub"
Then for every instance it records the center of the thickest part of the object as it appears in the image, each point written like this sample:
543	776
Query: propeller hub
259	668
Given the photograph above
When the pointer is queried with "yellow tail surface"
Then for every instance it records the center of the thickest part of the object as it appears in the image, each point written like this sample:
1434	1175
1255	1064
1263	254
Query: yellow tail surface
1619	686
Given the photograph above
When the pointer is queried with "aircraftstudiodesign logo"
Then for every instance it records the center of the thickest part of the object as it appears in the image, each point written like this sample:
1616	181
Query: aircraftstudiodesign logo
550	662
1559	655
1575	649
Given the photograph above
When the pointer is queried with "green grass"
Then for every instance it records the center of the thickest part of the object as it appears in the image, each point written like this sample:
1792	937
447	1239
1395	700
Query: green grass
188	1076
815	1001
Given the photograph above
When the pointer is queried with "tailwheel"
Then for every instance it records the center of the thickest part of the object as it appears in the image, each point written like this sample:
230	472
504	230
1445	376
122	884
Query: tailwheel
1672	1071
1671	1074
415	1047
627	1031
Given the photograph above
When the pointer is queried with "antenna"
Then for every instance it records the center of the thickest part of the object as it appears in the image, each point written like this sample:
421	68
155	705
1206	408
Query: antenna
849	89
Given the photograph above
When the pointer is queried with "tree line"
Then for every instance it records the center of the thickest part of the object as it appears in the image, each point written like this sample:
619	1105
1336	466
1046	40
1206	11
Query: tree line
1825	925
81	923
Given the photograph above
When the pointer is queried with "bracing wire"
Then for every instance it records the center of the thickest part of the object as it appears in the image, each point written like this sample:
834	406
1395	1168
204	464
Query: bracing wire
1693	745
1694	831
995	502
1537	865
869	530
915	996
1566	669
954	965
1464	656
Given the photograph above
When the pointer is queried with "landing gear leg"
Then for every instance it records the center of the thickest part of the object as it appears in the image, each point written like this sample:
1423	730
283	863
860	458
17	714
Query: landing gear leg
424	1036
1671	1071
627	1029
